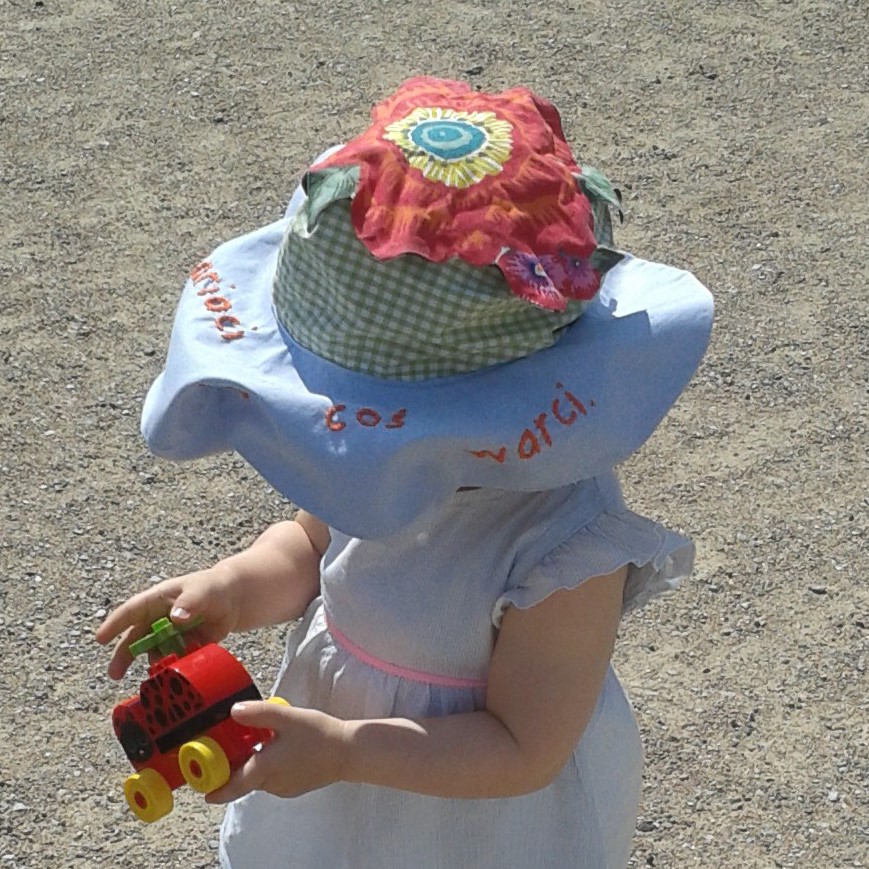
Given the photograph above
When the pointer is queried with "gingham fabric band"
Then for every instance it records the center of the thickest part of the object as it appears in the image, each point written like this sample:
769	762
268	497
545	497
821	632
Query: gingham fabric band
405	318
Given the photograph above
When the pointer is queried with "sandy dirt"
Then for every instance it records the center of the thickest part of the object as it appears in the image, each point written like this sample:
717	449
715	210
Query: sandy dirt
135	135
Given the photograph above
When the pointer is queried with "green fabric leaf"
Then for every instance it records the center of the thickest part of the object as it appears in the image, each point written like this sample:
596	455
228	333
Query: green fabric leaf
596	186
323	187
602	196
603	224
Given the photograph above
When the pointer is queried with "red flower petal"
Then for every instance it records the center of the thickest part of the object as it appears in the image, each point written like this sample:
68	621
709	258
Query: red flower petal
522	194
576	278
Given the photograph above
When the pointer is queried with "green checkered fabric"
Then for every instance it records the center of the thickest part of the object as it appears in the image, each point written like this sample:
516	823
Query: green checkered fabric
405	318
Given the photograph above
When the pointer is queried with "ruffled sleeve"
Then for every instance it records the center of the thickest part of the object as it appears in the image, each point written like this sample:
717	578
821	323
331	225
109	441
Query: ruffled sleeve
658	558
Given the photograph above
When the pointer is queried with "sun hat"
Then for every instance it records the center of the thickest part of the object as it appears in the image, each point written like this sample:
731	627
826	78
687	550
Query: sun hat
440	307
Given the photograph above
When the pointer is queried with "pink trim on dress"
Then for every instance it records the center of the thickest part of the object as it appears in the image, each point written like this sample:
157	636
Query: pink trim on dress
394	670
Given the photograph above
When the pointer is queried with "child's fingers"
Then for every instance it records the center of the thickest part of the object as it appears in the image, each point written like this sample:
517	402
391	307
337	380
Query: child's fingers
249	777
299	758
121	656
120	660
130	622
139	611
253	775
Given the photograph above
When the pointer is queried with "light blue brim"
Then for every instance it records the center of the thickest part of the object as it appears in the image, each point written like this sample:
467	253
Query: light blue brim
396	449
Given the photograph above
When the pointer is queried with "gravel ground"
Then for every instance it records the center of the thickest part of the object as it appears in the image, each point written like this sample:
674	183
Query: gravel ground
134	136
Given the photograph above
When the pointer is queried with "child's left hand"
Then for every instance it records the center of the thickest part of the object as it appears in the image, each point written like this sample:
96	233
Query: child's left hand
306	752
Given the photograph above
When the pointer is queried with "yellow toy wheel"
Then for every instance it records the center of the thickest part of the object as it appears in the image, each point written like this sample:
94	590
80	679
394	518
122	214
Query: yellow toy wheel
204	764
148	795
279	700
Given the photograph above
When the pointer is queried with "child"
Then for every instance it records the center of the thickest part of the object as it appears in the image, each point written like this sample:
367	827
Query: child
403	356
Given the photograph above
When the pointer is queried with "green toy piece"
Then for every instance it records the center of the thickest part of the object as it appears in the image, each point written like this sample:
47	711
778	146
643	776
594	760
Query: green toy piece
166	637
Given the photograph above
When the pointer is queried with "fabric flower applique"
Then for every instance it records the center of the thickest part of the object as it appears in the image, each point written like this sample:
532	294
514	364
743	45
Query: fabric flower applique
528	279
550	281
445	171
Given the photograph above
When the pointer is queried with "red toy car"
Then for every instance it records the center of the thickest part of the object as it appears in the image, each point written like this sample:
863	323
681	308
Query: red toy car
178	727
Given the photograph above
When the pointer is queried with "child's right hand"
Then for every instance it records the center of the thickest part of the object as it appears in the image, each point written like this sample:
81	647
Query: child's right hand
205	593
270	582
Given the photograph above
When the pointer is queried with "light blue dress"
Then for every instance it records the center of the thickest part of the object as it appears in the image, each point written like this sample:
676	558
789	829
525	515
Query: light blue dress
405	626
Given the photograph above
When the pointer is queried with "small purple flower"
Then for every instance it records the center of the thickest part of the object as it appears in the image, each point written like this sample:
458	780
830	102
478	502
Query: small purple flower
529	280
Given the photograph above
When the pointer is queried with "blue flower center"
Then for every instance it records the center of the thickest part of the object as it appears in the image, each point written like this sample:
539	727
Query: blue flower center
448	140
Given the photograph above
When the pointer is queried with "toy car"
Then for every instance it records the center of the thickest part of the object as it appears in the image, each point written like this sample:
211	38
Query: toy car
178	727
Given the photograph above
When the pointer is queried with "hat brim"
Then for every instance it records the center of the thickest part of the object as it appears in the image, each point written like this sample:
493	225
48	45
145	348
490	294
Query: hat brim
369	456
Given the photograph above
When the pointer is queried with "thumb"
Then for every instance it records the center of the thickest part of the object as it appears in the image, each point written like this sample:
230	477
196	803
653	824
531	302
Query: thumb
270	714
202	604
185	609
189	608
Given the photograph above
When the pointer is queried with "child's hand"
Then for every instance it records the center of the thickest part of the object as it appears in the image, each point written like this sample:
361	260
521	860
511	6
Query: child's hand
306	752
206	593
270	582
